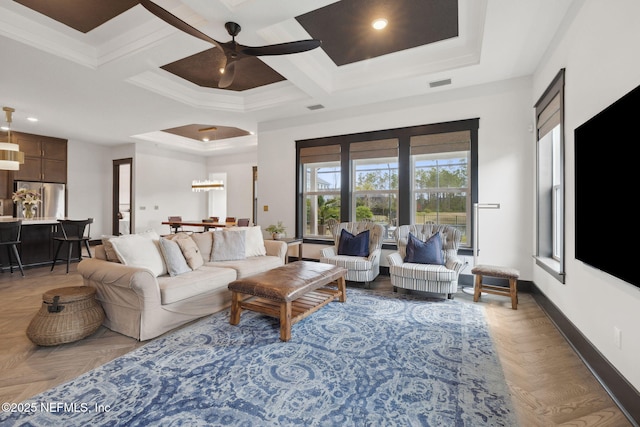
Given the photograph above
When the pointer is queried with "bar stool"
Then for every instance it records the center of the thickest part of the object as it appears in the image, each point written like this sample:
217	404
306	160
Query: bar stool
10	237
72	232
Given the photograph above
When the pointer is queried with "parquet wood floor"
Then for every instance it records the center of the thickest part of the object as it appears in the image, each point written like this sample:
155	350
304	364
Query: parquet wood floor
549	384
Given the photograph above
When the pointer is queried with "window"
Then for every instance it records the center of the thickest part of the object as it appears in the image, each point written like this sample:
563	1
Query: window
393	177
550	179
375	183
440	168
321	188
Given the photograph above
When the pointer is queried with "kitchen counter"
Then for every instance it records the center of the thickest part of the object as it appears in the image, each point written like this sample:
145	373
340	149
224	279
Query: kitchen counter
34	221
37	246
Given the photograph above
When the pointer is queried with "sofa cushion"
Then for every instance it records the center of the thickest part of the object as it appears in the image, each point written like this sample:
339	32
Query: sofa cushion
430	272
140	250
191	252
349	262
173	258
194	283
110	253
354	245
429	252
178	236
253	241
249	266
205	243
228	246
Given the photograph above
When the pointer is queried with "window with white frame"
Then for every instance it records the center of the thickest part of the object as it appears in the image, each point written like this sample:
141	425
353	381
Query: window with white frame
550	218
321	194
440	185
375	183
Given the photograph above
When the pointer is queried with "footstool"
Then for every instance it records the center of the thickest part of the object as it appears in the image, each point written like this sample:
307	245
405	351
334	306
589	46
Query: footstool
66	315
511	274
290	293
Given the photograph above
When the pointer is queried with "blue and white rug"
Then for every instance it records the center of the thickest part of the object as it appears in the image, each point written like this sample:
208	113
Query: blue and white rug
380	359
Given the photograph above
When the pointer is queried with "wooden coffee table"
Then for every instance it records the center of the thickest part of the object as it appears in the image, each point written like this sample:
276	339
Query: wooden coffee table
290	293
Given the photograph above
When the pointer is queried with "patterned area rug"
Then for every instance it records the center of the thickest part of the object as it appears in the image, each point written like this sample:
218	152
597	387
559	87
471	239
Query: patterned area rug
380	359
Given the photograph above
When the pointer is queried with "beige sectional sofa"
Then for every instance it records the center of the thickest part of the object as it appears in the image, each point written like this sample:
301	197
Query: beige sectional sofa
144	295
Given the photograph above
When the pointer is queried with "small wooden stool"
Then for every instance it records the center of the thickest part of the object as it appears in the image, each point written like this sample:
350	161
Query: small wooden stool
496	271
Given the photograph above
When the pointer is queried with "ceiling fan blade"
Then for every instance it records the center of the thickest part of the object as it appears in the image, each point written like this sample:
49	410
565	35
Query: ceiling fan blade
173	20
227	76
283	48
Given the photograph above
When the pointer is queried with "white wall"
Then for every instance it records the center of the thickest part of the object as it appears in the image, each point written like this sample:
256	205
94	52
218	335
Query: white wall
599	52
163	187
89	185
238	183
505	152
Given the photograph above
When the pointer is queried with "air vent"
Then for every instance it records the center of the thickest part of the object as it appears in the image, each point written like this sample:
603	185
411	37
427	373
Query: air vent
440	83
315	107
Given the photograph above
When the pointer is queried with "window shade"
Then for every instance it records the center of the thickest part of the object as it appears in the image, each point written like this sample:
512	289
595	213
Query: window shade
374	149
549	117
326	153
441	142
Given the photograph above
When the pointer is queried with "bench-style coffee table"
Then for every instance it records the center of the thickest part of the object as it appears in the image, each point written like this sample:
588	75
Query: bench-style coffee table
290	293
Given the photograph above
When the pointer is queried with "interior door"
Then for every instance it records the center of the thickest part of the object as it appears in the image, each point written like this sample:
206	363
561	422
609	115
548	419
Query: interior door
122	202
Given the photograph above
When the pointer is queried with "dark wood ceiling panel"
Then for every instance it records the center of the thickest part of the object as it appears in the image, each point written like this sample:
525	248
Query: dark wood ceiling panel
81	15
203	69
347	35
193	131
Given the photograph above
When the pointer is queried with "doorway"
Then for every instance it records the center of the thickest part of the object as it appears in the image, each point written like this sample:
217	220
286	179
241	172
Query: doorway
255	194
122	202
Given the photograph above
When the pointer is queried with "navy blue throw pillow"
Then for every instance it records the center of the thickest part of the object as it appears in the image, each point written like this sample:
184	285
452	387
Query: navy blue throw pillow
429	252
354	245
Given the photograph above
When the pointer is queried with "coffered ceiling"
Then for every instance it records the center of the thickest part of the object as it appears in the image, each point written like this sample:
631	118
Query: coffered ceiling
111	72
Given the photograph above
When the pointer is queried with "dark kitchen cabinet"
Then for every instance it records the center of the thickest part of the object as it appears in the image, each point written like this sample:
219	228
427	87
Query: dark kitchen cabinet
45	158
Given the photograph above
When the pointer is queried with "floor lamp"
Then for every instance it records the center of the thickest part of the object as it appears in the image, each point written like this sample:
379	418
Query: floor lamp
476	234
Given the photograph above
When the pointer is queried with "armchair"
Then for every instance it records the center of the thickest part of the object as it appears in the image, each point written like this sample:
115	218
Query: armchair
442	279
359	268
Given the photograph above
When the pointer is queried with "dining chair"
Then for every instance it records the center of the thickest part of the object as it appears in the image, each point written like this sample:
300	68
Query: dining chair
10	237
230	219
243	222
175	227
72	233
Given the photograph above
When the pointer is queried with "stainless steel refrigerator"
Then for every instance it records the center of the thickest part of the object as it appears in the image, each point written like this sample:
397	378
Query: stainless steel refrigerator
53	199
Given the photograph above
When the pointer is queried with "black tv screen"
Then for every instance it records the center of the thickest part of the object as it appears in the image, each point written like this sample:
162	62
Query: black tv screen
606	185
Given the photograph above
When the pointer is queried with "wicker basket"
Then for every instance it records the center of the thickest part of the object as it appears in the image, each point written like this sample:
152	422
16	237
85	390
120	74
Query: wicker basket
66	315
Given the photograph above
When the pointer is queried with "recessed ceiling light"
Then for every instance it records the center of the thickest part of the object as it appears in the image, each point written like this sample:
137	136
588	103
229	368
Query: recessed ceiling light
32	119
205	139
379	23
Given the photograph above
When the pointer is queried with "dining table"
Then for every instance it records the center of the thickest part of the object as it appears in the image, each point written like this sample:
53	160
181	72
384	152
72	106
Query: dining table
206	225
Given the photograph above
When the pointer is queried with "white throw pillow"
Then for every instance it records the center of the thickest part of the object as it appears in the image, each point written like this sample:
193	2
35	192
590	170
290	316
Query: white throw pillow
228	245
253	242
173	257
140	250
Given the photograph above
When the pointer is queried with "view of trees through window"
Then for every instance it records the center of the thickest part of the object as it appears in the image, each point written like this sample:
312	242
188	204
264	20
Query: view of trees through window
375	194
400	176
440	188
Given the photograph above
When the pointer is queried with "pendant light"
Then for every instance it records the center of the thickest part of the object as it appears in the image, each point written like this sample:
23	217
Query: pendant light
10	155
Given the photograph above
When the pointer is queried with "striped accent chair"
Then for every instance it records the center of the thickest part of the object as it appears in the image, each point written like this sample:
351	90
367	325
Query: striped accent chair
359	269
441	279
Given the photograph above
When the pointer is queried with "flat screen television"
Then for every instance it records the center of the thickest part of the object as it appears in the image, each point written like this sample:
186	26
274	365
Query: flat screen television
607	174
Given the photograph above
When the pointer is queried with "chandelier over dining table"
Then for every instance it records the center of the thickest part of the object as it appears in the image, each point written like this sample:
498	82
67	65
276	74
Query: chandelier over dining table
207	185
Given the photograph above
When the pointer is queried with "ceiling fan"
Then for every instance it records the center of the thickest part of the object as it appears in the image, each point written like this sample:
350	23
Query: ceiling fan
232	50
